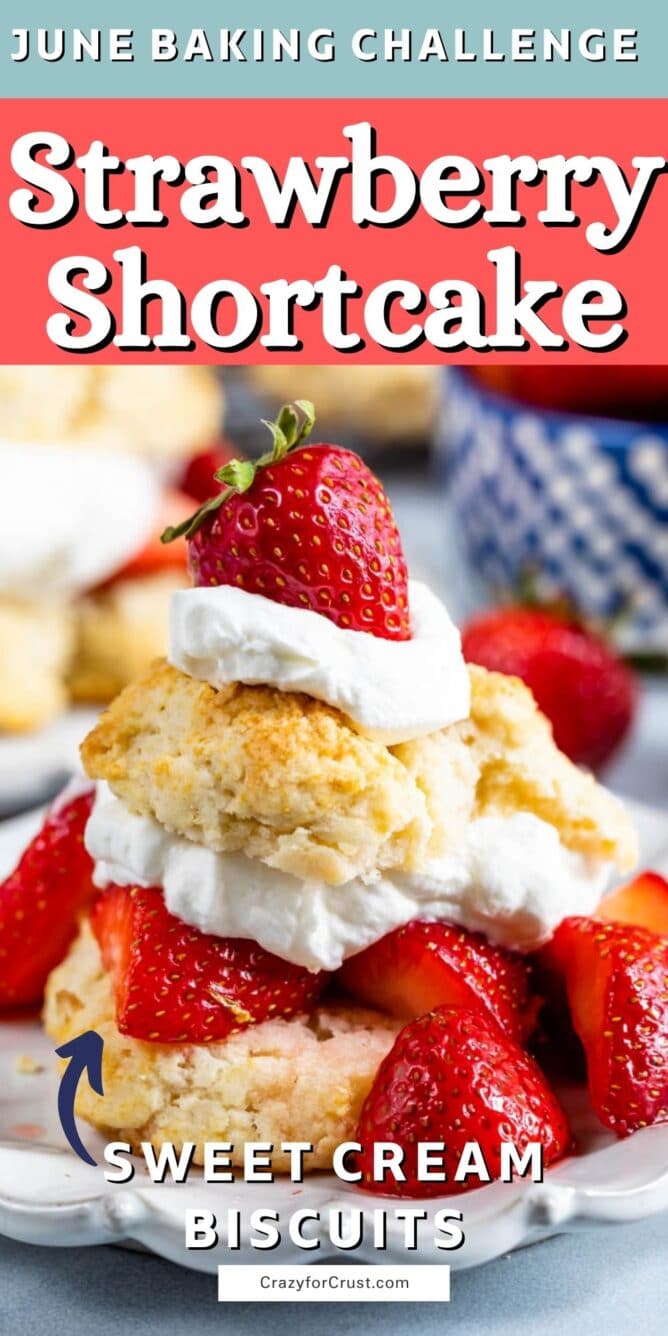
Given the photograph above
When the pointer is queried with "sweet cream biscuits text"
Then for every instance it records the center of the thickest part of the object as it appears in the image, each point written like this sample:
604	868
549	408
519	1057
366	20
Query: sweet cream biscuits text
345	1227
167	1164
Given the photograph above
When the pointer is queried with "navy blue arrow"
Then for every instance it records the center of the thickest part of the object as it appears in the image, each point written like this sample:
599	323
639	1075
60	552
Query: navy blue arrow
85	1054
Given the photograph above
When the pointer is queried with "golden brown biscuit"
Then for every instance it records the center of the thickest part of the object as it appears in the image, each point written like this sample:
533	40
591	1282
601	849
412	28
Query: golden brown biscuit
288	780
302	1079
160	412
36	641
119	632
520	768
281	777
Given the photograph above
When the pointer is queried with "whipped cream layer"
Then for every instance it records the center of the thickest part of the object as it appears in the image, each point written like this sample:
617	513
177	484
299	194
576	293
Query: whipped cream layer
511	879
393	690
69	518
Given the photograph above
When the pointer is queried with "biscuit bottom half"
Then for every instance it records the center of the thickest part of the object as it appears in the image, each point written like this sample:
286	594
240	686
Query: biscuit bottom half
302	1079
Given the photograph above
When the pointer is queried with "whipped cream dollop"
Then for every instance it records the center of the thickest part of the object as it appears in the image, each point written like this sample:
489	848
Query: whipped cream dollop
511	879
393	690
69	518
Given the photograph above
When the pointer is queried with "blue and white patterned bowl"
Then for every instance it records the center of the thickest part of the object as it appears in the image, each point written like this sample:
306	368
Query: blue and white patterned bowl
578	503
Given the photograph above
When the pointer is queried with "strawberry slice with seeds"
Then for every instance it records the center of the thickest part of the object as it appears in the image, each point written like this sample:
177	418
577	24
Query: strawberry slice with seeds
453	1076
616	978
174	984
425	965
308	526
41	900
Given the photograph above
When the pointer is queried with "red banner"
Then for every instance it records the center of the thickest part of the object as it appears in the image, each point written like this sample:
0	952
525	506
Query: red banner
497	230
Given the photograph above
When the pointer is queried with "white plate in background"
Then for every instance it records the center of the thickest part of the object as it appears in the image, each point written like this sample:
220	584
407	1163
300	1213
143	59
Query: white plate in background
33	765
48	1196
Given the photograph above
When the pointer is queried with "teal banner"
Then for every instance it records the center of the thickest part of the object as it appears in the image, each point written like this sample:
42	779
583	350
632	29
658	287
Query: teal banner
307	48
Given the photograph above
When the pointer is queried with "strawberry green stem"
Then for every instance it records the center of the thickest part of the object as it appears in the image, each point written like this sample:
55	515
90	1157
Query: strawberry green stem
294	423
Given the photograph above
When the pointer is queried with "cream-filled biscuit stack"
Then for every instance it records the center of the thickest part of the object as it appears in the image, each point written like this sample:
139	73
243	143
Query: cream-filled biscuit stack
311	771
83	601
85	460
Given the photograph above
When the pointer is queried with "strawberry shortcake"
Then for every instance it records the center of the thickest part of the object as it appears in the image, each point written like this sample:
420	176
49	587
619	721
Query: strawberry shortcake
326	852
89	462
84	584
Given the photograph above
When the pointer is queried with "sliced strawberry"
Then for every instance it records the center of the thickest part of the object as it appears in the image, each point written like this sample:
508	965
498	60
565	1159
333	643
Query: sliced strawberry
617	982
175	984
453	1076
425	965
198	477
41	900
642	902
309	527
155	556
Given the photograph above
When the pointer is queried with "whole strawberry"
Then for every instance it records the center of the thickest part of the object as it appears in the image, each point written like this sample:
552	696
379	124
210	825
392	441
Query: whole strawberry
586	692
453	1076
307	526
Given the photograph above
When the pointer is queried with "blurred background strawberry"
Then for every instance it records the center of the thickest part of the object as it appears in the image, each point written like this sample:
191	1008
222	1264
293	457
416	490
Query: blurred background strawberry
587	692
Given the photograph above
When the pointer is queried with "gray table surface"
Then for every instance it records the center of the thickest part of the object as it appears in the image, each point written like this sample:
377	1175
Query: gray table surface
613	1278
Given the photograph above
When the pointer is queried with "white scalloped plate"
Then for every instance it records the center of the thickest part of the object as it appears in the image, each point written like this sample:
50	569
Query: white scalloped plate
48	1196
